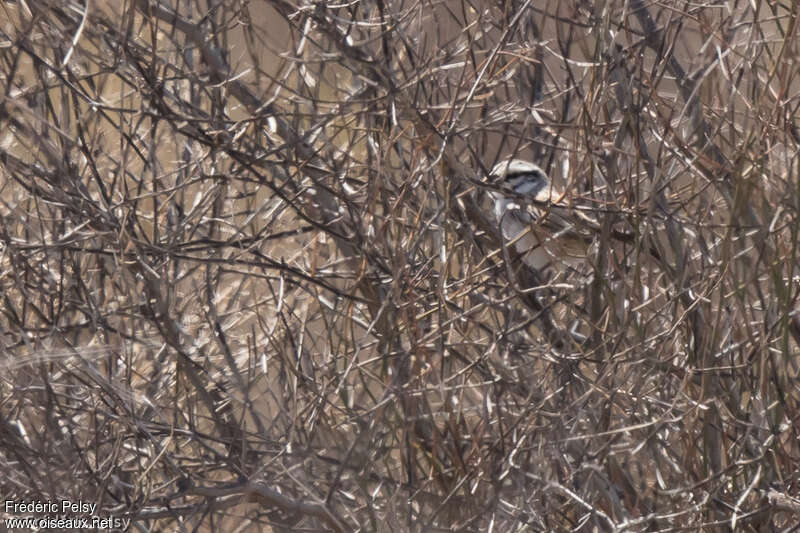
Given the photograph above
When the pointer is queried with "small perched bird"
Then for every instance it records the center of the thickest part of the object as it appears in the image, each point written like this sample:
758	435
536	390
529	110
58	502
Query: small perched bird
534	219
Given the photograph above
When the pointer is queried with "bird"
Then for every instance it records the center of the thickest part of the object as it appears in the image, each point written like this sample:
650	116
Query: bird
534	219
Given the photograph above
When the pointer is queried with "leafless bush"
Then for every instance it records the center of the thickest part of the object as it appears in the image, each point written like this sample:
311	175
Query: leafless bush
251	277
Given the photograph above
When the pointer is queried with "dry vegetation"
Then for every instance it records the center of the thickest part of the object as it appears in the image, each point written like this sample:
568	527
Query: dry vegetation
251	281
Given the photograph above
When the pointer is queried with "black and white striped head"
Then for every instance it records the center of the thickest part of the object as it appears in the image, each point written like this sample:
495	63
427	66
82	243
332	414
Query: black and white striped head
521	178
522	194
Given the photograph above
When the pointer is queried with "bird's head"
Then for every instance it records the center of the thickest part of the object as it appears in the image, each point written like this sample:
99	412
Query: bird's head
522	178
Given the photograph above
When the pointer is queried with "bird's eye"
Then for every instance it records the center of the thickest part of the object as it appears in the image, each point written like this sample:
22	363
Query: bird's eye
528	183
